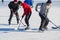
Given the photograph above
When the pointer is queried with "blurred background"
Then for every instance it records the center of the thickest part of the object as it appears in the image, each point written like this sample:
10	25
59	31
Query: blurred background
54	2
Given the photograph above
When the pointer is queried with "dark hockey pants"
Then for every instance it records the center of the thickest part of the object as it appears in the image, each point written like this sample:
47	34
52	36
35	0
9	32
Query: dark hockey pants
11	15
44	22
27	19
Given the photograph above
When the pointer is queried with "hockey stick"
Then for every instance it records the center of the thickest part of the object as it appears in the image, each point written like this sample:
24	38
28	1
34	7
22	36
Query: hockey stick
20	20
51	22
54	25
19	24
22	23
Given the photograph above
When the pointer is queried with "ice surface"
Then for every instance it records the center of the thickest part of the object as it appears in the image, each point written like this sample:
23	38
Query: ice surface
54	14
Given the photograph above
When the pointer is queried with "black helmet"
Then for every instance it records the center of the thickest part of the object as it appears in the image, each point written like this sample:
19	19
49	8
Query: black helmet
19	2
49	1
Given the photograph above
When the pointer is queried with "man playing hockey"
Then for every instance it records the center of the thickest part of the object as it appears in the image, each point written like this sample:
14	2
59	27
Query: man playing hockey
43	14
13	6
27	13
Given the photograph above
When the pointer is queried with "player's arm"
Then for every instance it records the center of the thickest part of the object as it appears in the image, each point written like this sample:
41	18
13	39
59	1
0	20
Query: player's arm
39	4
10	5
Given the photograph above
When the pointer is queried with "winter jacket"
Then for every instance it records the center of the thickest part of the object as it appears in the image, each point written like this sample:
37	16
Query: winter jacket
27	9
13	6
43	9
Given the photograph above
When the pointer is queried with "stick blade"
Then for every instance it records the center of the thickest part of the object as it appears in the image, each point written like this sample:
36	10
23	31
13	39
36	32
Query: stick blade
54	27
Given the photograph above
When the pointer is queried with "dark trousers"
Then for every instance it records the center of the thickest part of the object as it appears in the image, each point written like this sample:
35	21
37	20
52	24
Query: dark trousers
27	19
44	21
11	15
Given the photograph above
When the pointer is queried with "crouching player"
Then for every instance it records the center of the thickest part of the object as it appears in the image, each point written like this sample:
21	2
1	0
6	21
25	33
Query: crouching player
27	13
13	6
43	14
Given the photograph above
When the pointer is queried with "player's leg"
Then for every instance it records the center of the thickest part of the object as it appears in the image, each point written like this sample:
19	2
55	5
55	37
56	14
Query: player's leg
46	23
11	15
42	22
29	15
27	22
17	17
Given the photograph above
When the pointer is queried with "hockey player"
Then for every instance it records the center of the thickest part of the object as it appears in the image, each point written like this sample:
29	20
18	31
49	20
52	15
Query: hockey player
27	13
43	14
29	2
13	6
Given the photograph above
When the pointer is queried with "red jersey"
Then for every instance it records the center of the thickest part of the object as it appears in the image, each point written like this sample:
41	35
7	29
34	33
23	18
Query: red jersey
27	8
